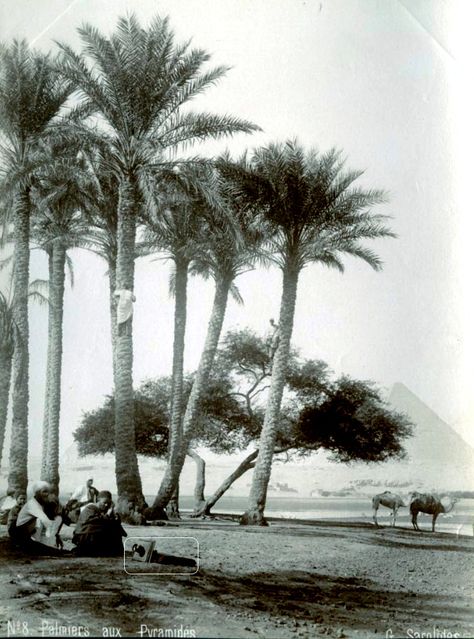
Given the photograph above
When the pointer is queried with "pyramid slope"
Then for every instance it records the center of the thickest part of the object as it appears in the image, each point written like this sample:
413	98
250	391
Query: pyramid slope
433	439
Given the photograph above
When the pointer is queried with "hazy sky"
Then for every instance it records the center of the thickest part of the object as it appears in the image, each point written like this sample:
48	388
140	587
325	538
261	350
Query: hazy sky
385	81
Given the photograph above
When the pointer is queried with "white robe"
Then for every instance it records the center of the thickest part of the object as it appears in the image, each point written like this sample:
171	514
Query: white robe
81	493
124	305
45	528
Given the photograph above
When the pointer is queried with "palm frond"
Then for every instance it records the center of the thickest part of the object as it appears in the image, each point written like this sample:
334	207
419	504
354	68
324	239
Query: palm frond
37	297
315	210
39	287
6	262
70	270
191	127
236	295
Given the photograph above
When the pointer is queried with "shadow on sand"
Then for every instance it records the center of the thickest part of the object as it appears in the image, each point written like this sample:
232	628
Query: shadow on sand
322	599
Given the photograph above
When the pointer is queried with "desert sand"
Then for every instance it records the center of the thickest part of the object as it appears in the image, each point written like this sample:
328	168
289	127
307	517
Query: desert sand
291	579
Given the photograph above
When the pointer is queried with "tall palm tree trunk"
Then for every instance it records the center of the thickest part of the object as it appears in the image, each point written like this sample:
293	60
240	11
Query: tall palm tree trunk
200	482
6	357
44	451
176	409
55	353
241	469
214	329
113	312
263	465
126	463
172	508
18	463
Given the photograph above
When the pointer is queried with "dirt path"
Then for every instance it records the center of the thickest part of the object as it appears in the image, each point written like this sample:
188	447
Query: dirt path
288	580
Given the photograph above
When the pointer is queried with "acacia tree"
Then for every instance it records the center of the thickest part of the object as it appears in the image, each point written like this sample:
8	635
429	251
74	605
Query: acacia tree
317	215
31	96
139	81
346	417
244	361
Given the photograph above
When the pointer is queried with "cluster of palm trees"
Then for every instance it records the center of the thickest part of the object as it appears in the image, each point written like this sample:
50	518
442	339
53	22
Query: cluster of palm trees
89	145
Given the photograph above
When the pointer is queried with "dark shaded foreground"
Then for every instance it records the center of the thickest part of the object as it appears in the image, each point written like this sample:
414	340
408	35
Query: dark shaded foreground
285	580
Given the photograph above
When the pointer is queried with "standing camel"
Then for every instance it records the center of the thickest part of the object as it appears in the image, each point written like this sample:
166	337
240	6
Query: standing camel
431	505
389	500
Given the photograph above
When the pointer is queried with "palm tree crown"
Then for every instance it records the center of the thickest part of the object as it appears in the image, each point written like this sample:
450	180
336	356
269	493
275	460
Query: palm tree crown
32	94
138	83
315	212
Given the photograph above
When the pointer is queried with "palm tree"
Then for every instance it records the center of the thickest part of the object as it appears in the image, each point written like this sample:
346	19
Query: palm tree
317	215
233	237
31	96
59	194
100	214
138	84
6	356
7	344
174	226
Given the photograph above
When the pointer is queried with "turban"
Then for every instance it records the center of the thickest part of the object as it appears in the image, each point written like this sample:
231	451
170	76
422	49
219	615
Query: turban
37	486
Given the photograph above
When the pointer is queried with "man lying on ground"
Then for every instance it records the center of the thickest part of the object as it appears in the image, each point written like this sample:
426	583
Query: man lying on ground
99	531
34	531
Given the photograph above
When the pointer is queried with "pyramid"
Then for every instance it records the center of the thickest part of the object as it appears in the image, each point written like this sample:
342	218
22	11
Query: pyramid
434	441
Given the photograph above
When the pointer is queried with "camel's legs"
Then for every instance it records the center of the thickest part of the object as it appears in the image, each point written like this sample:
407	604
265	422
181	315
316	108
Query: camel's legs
414	521
435	517
375	516
395	510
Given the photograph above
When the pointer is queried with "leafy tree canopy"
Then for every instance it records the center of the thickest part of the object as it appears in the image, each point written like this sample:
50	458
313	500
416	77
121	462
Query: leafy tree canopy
353	422
224	426
345	416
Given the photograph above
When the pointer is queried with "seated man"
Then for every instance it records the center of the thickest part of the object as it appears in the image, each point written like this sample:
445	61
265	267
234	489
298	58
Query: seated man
8	502
14	512
135	516
98	531
84	494
35	532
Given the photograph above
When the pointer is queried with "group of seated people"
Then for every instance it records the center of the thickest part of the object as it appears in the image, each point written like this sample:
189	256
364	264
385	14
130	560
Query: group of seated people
34	524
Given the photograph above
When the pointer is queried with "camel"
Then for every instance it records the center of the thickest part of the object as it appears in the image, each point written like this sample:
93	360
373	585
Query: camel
431	505
389	500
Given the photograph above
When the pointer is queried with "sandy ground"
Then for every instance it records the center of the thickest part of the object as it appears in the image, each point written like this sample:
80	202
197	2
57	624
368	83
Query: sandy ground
319	579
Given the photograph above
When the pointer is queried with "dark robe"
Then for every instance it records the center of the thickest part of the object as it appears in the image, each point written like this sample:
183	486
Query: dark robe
97	534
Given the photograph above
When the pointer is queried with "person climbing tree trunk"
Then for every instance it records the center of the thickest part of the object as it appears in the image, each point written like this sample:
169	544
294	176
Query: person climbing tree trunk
126	463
